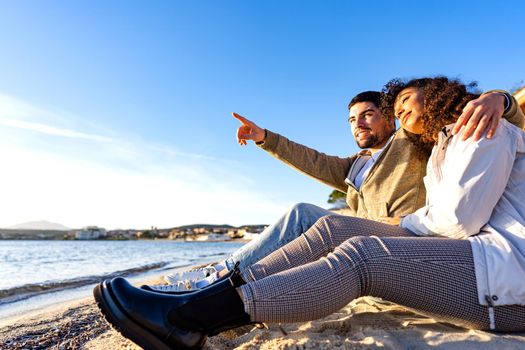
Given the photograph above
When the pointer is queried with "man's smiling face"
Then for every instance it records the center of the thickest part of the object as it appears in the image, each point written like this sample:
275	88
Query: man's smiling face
368	126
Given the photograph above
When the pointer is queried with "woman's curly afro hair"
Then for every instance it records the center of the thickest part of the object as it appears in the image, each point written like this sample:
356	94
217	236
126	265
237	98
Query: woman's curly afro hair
444	100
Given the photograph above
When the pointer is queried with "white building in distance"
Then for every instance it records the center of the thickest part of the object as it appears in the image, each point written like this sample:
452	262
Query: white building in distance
90	232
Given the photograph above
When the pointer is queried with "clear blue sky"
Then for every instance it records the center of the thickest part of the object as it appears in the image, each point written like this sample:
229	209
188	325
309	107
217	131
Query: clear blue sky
117	113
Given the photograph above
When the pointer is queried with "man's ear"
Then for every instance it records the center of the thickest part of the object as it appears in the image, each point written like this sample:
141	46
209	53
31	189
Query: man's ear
393	123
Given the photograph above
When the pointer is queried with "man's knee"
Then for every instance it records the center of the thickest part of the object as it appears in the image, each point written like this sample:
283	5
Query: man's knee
304	207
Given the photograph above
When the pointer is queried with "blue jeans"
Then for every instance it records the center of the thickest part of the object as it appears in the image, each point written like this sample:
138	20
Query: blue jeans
290	226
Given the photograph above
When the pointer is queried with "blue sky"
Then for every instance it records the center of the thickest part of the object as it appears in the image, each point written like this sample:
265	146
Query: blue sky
117	113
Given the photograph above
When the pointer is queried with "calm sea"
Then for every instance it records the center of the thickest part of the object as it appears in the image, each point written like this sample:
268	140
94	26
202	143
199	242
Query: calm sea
30	268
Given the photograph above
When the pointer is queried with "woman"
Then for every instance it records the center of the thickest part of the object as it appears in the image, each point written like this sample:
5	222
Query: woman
470	273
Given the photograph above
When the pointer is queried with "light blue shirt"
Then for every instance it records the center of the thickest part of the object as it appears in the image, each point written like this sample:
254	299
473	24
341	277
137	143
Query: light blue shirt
363	173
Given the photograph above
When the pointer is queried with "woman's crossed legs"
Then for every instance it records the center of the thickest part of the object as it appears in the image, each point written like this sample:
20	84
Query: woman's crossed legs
342	258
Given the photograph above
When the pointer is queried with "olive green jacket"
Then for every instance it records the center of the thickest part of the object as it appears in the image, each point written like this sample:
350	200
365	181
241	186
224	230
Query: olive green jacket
394	186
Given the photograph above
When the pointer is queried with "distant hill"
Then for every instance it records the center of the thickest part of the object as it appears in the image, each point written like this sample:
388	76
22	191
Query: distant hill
40	225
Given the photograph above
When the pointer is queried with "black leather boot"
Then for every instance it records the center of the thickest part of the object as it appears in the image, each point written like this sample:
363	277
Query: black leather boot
162	321
213	309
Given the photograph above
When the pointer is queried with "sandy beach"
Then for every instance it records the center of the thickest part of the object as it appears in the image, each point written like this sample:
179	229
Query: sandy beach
366	323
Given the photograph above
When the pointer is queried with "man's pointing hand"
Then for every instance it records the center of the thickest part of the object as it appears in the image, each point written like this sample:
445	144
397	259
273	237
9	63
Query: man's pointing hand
248	131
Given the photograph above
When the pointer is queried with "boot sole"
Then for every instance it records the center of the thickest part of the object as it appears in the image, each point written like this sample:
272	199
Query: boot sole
122	323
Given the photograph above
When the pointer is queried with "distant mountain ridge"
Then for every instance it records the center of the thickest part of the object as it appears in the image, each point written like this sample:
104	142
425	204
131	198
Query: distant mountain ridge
40	225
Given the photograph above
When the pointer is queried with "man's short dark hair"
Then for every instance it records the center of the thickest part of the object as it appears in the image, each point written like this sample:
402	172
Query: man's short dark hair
367	96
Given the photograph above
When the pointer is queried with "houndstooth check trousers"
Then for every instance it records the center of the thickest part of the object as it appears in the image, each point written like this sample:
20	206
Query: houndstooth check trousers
341	258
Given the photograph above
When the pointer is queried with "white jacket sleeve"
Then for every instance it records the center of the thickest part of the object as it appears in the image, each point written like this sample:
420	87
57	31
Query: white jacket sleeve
470	181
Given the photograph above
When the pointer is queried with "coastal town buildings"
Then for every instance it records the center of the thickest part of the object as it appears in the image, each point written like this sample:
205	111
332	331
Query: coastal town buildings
90	232
198	233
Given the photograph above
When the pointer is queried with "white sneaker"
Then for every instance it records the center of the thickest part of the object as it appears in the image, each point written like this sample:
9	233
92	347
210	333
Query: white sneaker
190	276
181	286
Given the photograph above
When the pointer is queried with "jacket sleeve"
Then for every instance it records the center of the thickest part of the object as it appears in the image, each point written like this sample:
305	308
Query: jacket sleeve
514	114
330	170
474	175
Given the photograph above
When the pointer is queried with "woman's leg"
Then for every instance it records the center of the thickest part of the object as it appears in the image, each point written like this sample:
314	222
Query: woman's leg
434	276
291	225
322	238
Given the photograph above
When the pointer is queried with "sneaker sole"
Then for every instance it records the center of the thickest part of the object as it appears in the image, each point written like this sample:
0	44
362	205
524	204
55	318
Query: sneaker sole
184	292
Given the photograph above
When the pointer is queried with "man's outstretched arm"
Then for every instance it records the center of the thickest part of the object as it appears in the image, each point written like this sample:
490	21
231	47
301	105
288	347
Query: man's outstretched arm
330	170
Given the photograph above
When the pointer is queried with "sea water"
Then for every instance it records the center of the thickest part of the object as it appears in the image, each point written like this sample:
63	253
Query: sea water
29	269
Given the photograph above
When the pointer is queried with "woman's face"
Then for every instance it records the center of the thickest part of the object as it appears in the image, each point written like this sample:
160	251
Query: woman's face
409	109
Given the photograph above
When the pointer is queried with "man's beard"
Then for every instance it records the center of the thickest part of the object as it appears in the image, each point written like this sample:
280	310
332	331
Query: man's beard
369	142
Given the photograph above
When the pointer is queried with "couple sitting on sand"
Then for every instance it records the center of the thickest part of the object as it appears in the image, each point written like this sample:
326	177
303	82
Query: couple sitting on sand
458	256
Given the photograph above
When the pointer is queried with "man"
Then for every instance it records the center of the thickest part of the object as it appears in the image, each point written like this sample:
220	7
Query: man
383	182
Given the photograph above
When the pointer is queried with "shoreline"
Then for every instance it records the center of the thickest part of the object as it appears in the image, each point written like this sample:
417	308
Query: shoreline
28	294
47	300
14	307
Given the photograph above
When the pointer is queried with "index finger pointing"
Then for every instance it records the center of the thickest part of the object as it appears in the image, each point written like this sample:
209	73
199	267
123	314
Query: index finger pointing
241	119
